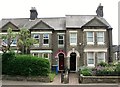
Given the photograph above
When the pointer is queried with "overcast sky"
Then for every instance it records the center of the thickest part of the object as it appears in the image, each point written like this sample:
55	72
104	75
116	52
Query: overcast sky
60	8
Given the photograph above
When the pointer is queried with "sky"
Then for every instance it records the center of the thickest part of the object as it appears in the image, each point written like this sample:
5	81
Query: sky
60	8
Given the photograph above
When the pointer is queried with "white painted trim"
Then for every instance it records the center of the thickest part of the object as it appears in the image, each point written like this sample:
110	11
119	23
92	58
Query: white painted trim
73	31
95	50
6	33
46	38
70	39
40	51
94	30
59	45
91	43
91	65
14	51
60	33
101	43
42	32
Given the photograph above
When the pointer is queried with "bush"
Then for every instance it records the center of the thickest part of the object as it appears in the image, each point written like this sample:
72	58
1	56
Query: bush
86	72
103	64
117	69
27	65
6	59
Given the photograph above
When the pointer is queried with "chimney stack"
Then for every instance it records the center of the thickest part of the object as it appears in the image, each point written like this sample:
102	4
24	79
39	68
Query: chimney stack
99	11
33	13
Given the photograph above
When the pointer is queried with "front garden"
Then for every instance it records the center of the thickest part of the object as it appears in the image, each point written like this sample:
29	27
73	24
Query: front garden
102	73
26	67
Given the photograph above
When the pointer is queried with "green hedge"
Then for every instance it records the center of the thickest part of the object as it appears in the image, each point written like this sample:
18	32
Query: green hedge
27	65
6	59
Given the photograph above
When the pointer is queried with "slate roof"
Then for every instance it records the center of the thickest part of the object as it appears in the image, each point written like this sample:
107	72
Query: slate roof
57	23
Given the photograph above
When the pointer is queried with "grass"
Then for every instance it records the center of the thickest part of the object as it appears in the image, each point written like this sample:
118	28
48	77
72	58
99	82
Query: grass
52	76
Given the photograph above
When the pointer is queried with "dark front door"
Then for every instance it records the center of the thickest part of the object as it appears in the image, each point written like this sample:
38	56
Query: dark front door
61	61
73	61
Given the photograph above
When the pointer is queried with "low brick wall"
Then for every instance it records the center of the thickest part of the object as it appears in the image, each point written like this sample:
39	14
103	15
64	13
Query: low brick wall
22	78
99	79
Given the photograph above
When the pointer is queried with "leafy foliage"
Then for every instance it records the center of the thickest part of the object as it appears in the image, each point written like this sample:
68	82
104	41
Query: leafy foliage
25	41
86	71
9	37
27	65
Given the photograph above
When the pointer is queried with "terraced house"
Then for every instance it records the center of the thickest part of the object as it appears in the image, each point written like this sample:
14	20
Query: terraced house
71	41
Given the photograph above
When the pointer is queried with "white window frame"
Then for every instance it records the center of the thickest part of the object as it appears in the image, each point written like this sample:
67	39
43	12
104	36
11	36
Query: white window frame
37	44
100	57
43	55
74	38
34	54
91	43
61	39
46	38
100	37
91	65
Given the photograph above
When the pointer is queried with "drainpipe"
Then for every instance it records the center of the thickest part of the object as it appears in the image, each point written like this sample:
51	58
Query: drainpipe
110	45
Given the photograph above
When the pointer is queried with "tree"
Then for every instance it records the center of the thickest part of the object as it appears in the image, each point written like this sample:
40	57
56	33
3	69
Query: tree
25	41
7	40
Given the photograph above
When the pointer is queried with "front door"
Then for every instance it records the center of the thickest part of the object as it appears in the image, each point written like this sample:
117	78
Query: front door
73	61
61	61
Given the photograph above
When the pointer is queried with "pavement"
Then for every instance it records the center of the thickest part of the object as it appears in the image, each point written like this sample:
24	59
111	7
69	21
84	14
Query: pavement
73	81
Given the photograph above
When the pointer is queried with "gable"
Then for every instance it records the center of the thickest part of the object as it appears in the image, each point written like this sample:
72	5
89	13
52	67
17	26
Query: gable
95	22
41	25
10	25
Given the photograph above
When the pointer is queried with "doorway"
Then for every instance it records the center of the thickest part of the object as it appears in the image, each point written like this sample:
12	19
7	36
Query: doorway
73	62
61	61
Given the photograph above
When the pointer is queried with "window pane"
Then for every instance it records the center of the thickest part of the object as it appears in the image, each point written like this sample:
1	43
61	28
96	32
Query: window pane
61	42
60	39
101	57
45	41
45	38
90	61
89	39
45	35
90	57
14	41
60	36
73	35
89	36
36	36
45	55
35	54
73	38
100	37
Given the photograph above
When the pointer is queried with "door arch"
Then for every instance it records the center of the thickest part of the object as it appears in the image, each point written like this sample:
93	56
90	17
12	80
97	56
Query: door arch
61	61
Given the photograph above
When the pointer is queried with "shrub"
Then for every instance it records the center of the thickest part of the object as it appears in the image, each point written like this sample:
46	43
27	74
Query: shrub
103	64
86	72
6	59
117	69
27	65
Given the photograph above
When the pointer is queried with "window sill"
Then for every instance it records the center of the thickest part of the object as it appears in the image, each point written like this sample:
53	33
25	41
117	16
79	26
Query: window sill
90	43
101	43
91	65
74	44
60	45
